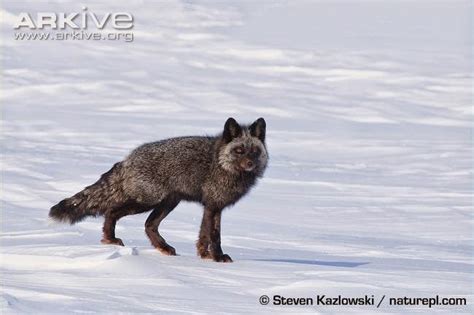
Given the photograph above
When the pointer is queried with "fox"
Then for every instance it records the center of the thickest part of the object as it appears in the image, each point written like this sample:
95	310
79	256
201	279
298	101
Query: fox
215	171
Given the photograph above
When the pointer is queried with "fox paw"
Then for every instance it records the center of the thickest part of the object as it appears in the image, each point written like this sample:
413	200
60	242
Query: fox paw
223	258
205	255
167	250
112	241
203	250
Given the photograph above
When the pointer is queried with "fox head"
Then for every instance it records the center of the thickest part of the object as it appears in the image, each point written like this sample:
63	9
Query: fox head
243	148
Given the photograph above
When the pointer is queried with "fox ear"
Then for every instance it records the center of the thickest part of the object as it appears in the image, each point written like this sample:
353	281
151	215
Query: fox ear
258	129
232	130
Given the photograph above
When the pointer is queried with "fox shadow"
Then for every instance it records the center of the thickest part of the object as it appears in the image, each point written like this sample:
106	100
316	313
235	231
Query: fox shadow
345	264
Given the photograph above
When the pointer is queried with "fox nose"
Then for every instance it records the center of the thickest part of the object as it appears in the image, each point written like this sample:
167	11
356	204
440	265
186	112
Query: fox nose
249	164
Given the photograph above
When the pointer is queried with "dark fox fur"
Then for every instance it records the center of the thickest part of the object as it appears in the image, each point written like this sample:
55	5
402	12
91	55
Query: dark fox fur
215	171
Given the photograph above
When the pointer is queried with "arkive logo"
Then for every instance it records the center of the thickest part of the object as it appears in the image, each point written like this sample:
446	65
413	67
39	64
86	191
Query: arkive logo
76	20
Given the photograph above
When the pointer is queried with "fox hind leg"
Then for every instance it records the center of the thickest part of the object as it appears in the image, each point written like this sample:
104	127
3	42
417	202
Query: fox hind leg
152	223
109	229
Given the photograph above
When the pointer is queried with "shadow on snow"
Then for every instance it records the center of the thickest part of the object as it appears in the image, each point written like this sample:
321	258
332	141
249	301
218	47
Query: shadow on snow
346	264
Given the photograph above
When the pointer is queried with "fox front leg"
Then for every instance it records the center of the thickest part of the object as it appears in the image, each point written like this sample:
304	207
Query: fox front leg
209	243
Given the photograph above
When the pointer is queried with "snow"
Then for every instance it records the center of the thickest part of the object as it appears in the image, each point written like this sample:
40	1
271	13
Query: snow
369	188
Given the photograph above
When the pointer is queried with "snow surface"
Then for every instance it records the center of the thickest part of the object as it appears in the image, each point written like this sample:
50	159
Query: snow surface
369	188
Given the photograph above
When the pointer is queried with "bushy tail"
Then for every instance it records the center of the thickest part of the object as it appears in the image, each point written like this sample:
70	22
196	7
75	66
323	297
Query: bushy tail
94	200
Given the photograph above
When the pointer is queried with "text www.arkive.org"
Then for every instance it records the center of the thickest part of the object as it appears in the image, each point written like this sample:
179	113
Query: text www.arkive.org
78	35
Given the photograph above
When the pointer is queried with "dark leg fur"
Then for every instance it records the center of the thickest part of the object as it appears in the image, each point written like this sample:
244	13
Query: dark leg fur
209	243
204	239
113	215
109	229
151	226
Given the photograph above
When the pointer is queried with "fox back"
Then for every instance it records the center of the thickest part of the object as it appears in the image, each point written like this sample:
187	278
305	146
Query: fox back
216	171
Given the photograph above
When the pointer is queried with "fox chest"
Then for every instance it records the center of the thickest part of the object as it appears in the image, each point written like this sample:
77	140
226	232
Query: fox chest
222	193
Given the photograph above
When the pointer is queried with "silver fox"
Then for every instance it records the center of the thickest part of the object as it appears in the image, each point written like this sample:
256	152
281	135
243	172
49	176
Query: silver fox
214	171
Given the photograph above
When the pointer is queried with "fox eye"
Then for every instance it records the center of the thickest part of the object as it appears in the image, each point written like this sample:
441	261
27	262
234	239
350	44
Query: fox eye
239	150
255	150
